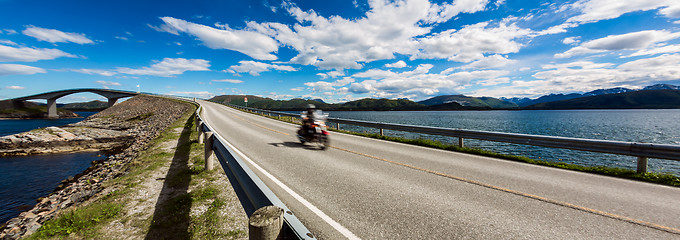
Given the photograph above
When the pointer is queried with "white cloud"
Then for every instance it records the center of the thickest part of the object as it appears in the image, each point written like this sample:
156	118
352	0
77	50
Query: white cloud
169	67
420	83
336	73
26	54
15	87
10	31
94	71
583	76
229	80
472	42
107	84
493	82
398	64
200	94
328	86
571	40
444	12
255	68
8	42
671	11
389	28
16	69
251	43
55	36
297	89
493	61
657	50
628	41
596	10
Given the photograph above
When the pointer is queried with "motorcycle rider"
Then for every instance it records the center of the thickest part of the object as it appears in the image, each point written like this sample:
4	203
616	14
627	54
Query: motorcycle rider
307	120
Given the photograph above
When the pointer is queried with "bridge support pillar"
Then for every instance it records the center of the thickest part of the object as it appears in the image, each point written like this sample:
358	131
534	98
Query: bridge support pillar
112	101
642	165
52	108
209	155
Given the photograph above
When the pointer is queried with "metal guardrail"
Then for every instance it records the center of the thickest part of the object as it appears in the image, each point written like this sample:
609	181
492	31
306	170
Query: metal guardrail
256	192
640	150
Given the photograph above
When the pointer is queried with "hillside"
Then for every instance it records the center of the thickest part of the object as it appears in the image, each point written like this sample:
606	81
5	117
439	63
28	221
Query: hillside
369	104
92	105
483	102
286	105
237	99
523	102
646	99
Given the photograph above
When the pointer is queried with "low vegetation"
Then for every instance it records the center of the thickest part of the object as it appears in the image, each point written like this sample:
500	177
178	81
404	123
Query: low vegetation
193	203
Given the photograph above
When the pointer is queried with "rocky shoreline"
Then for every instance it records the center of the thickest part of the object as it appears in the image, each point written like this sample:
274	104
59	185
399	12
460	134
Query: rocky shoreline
129	125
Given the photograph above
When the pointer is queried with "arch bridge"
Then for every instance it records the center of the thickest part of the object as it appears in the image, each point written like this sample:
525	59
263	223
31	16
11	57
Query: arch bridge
51	97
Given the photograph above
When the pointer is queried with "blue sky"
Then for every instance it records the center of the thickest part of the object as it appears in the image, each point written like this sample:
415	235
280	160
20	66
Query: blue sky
338	50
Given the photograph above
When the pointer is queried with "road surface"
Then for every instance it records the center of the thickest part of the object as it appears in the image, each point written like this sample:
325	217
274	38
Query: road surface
372	189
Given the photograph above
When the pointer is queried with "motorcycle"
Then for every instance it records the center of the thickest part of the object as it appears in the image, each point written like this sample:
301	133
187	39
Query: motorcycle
315	132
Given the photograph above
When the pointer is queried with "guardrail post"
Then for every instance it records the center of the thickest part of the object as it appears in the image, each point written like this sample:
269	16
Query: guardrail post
337	126
200	134
266	223
198	123
209	159
382	132
460	142
642	165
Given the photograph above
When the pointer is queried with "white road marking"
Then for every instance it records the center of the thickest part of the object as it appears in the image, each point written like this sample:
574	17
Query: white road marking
344	231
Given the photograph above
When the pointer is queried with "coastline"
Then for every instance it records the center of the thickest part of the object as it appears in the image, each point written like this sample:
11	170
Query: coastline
141	119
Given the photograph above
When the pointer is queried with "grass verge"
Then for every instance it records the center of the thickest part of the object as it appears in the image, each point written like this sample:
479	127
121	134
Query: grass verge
658	178
201	210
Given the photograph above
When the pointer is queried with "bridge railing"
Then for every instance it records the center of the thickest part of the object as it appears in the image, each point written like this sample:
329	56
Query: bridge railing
642	151
244	180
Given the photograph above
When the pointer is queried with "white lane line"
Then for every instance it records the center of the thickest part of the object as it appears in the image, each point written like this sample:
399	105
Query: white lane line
344	231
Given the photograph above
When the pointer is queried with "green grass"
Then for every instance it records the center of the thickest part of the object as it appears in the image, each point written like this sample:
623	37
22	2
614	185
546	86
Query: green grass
84	220
140	117
659	178
87	221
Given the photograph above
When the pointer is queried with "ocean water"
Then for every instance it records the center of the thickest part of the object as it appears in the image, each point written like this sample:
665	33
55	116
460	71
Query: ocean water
646	125
23	179
12	126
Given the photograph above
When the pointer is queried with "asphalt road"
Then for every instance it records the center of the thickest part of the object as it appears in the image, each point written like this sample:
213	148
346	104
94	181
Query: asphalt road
372	189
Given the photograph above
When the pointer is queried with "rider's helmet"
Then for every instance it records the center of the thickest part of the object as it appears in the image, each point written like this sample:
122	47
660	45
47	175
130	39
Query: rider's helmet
310	110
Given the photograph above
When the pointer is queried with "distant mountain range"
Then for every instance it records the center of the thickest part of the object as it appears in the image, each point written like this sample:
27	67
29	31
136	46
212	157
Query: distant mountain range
523	102
643	99
656	96
466	101
91	105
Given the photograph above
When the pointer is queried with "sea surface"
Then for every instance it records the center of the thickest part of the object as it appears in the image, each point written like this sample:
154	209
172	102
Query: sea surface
648	126
23	179
12	126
